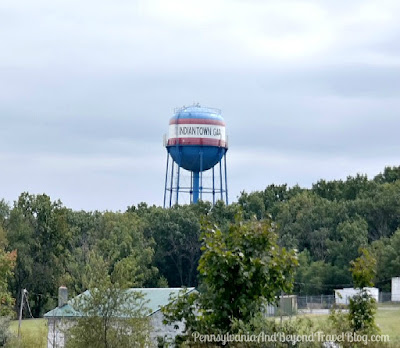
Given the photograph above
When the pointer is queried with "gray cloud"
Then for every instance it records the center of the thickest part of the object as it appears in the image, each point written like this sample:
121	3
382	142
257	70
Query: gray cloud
308	90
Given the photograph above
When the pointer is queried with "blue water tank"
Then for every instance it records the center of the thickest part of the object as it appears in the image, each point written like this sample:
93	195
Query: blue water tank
197	138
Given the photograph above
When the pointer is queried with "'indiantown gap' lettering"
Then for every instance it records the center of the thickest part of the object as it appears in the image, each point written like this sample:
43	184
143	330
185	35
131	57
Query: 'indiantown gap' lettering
199	130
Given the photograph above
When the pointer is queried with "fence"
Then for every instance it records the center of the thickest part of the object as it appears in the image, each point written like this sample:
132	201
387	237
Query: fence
315	302
327	301
385	297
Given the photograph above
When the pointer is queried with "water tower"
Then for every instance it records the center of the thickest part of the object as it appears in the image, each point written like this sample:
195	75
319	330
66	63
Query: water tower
196	147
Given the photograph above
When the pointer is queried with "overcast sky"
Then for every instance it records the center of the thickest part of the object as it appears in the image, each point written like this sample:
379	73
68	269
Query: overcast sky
308	90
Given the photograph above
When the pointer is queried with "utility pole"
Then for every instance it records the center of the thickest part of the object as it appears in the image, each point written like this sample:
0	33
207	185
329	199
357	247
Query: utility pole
20	311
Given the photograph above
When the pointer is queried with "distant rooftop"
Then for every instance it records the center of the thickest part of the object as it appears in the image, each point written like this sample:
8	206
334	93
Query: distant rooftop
155	298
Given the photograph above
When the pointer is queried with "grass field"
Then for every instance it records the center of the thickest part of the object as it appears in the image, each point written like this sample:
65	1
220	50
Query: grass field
33	333
387	318
30	325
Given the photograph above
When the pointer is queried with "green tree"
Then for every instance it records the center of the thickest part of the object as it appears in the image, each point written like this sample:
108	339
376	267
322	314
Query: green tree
112	316
37	228
307	214
390	174
222	214
7	264
380	207
119	239
252	205
351	235
362	307
260	203
343	190
83	228
319	277
240	271
176	233
4	215
387	253
122	243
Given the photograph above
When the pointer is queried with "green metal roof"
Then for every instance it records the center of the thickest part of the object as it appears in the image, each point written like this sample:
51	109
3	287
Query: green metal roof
64	311
155	298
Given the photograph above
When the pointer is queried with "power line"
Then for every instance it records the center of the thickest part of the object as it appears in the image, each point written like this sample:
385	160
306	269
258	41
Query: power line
325	285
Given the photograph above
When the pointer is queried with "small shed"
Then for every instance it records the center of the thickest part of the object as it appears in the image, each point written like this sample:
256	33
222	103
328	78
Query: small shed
64	315
286	305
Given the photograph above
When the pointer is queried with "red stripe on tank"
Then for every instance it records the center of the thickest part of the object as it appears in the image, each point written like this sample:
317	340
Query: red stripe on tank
196	121
196	141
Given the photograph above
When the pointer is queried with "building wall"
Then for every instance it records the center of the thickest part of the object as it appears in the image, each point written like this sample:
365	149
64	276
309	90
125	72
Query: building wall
342	296
56	334
165	332
57	328
288	303
396	289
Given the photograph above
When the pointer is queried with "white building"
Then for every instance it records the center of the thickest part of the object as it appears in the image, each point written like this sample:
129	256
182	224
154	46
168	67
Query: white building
64	316
396	289
342	296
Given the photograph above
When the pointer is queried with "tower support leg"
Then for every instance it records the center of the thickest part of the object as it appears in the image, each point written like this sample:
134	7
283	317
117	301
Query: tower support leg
213	185
166	179
201	175
221	190
226	180
196	187
177	185
172	183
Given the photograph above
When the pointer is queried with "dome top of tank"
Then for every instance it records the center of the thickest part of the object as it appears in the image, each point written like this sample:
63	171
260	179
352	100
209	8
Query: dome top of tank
197	111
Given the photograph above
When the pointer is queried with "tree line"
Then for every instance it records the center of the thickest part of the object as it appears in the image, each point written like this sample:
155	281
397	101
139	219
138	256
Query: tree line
44	244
